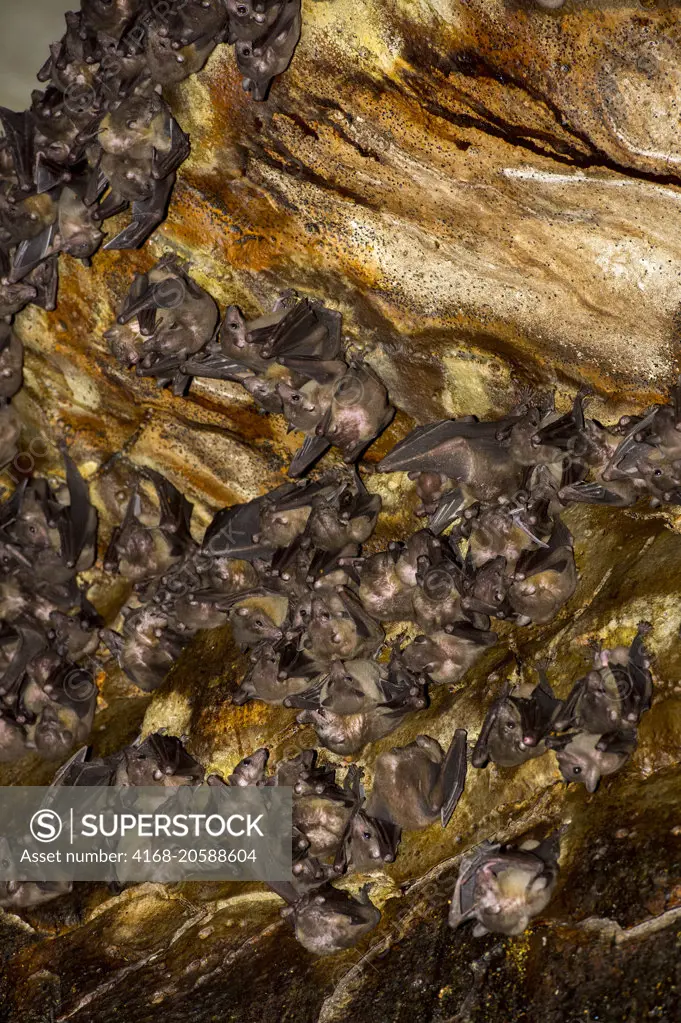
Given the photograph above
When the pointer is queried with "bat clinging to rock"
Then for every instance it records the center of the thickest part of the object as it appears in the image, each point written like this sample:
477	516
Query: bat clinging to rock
517	724
503	888
329	919
415	785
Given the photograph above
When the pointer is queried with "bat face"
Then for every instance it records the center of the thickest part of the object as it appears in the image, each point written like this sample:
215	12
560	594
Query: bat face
344	734
304	407
583	762
80	235
250	19
252	770
338	629
252	624
368	844
57	730
265	392
502	889
270	53
507	743
236	342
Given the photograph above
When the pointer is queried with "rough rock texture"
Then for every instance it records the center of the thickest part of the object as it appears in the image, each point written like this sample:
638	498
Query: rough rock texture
490	193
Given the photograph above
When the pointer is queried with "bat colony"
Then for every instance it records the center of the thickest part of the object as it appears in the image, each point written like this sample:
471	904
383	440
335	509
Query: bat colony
289	570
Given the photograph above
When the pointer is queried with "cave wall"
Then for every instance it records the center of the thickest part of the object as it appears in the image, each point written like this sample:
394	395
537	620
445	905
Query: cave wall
490	193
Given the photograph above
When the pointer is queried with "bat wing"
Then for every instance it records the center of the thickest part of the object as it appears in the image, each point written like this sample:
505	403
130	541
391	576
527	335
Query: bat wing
176	512
139	299
164	164
448	508
131	513
629	441
538	712
216	366
310	452
81	771
230	534
295	662
321	371
563	430
365	625
45	279
18	129
582	492
299	333
147	214
31	643
169	754
77	522
623	741
480	755
309	699
641	679
32	251
437	447
332	320
453	775
295	495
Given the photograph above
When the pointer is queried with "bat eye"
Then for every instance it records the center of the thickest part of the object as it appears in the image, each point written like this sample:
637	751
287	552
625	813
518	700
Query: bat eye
576	770
366	834
295	397
258	623
509	726
241	9
246	51
657	472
